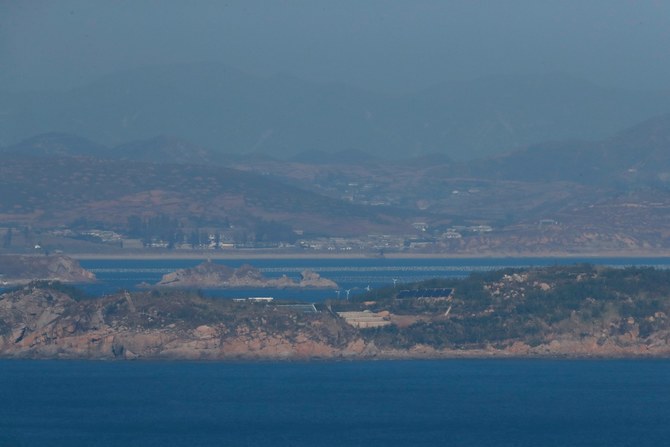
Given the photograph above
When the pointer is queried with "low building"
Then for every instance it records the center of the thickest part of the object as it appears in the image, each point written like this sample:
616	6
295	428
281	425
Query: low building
304	308
366	319
437	294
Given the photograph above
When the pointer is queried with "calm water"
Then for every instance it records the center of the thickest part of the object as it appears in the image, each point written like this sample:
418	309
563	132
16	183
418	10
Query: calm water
353	274
420	403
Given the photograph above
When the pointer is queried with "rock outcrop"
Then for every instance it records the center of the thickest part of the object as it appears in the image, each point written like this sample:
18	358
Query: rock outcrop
38	322
212	275
22	269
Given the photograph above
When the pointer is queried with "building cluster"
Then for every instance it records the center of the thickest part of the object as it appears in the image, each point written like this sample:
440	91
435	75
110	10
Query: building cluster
422	236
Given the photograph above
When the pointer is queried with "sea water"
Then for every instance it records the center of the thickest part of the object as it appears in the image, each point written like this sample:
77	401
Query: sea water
373	403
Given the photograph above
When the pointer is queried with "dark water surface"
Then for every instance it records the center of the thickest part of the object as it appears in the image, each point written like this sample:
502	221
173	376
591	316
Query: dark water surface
386	403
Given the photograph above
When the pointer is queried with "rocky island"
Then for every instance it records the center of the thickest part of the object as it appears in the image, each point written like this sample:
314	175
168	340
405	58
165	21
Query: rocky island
22	269
212	275
579	311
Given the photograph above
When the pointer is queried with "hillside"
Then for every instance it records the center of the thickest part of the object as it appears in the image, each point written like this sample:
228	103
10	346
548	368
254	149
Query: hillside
67	191
605	196
573	310
578	311
639	155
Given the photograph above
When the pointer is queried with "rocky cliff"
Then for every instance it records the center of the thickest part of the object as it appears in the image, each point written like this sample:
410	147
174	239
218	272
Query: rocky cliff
40	322
212	275
22	269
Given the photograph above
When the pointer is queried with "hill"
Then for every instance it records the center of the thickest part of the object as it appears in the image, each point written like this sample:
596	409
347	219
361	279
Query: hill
637	155
164	149
76	192
568	310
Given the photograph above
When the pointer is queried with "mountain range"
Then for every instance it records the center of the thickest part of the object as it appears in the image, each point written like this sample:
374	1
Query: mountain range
228	111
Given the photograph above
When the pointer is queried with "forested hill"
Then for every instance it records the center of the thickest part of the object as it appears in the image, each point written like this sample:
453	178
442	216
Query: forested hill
576	310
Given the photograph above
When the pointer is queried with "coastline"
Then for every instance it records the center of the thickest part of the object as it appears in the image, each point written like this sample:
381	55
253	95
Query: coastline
622	354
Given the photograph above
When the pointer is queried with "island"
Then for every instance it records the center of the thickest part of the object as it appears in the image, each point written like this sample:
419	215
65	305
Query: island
22	269
560	311
212	275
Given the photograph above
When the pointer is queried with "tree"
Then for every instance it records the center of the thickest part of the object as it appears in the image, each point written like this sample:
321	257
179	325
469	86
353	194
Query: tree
7	239
135	226
194	239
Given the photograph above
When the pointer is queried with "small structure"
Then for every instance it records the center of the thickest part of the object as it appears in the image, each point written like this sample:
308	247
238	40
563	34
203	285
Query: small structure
260	299
304	308
255	299
366	319
438	294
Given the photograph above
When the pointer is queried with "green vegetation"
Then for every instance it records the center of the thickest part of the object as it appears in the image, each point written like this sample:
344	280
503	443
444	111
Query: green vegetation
497	308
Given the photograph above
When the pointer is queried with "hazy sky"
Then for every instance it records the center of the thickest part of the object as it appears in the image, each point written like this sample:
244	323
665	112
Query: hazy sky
391	46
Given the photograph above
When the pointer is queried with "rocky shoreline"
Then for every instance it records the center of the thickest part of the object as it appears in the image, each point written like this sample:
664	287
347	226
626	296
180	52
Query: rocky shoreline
212	275
22	269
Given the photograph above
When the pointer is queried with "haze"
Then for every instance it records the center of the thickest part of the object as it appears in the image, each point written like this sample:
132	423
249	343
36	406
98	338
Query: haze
317	127
389	46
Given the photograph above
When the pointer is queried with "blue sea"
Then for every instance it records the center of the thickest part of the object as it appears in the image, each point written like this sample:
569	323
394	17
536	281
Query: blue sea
374	403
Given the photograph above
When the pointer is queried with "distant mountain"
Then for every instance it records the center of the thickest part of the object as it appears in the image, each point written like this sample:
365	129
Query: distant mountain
351	156
427	160
647	148
165	149
56	144
497	114
232	112
160	149
640	154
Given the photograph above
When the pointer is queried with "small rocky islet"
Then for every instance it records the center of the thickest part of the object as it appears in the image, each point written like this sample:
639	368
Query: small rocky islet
212	275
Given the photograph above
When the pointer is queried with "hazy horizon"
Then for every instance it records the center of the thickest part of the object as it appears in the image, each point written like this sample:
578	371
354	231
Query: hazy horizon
389	47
